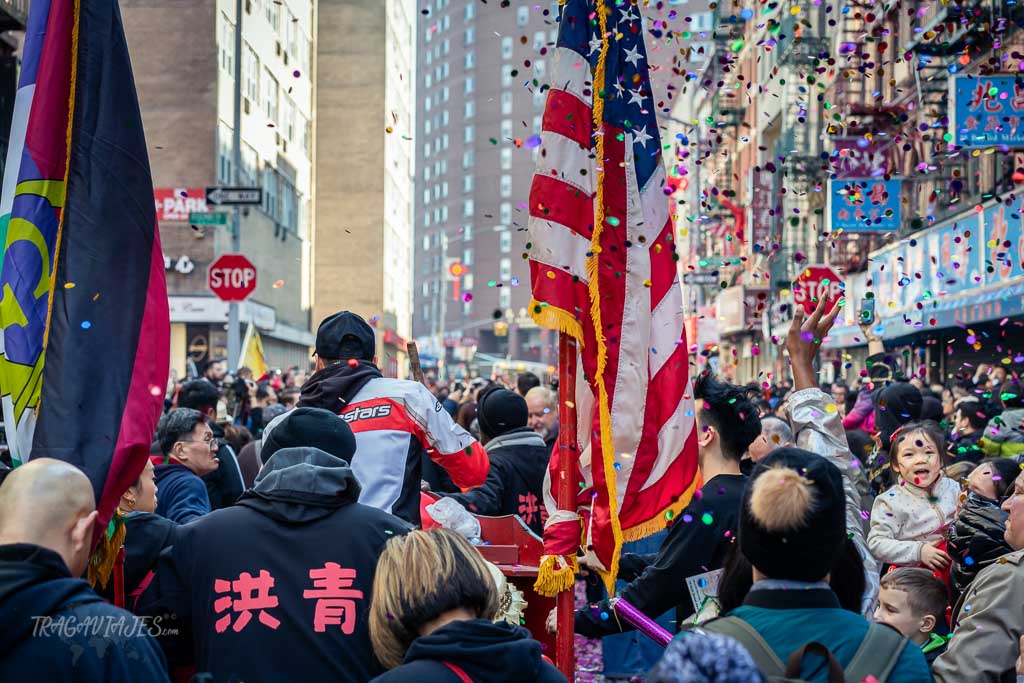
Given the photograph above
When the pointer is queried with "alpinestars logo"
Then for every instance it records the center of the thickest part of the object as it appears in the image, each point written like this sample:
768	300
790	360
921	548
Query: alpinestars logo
369	413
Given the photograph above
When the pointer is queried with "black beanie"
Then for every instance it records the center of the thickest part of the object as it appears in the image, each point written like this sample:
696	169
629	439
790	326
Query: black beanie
895	406
312	427
499	411
783	533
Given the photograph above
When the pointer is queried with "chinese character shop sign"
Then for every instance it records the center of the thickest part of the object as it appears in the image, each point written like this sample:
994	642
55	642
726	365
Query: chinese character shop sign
987	110
864	204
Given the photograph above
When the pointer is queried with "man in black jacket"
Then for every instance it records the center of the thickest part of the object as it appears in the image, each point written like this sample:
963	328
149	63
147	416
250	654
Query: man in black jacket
701	535
224	485
519	460
55	627
278	586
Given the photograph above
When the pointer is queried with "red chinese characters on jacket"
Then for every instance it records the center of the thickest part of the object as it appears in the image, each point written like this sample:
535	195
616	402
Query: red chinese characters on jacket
332	589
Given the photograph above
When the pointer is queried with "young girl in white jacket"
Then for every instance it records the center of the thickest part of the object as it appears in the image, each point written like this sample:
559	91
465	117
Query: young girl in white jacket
909	521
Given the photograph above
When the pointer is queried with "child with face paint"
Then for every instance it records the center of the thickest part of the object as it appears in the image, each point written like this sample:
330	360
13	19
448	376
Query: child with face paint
909	521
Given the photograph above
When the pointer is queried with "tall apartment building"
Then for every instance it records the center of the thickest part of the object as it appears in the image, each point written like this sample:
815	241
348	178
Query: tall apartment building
479	79
365	130
183	56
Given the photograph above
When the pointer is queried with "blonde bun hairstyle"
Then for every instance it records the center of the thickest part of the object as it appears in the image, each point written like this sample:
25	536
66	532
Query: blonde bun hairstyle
781	499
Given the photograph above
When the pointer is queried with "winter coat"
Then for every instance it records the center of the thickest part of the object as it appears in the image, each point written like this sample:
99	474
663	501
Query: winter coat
224	485
514	485
819	430
988	623
966	448
302	553
1004	435
862	415
146	536
693	546
975	539
395	423
906	517
56	628
183	495
486	652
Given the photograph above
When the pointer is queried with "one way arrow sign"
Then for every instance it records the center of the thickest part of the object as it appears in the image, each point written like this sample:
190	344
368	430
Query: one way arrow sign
234	196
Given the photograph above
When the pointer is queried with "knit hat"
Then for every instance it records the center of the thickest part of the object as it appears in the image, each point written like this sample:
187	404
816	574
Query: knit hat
500	411
793	519
895	406
311	427
705	658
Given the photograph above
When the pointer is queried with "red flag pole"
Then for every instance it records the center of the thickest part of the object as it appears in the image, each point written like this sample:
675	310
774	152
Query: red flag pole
565	653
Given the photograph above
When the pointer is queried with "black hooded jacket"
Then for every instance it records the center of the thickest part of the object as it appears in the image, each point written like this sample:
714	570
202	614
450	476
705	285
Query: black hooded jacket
56	628
146	536
975	540
333	387
300	546
485	652
514	485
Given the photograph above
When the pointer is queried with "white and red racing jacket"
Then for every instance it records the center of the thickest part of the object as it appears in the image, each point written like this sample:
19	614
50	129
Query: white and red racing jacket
395	422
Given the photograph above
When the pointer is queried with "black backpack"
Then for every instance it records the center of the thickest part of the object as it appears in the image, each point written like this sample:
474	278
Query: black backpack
876	656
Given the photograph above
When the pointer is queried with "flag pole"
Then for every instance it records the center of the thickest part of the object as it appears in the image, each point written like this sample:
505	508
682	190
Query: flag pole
565	653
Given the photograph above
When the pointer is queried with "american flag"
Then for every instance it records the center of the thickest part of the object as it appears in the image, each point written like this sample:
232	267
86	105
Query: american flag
603	269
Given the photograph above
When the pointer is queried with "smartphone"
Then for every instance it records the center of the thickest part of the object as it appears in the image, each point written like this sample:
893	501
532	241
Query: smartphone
867	309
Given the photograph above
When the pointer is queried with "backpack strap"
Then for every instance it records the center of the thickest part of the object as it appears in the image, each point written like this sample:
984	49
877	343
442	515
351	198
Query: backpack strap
877	654
734	627
795	663
463	676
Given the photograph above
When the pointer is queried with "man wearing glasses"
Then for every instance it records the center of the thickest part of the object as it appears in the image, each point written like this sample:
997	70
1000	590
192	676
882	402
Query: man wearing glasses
189	452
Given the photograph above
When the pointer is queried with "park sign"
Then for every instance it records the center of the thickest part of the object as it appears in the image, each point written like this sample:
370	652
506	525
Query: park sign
987	111
864	204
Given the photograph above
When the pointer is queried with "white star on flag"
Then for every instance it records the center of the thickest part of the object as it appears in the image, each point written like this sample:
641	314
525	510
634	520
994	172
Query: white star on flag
595	45
640	135
635	97
627	15
633	56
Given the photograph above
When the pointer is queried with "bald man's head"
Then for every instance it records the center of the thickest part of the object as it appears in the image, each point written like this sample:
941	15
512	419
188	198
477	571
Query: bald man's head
49	503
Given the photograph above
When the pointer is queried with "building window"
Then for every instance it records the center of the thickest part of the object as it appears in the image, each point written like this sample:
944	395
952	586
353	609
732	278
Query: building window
437	191
467	134
467	308
225	153
444	141
470	36
467	183
426	196
467	208
506	75
426	149
506	186
538	40
467	231
506	159
446	23
444	118
506	269
538	123
467	257
506	47
426	127
444	213
506	129
289	206
426	103
506	103
505	298
505	214
540	68
444	94
251	66
429	57
469	109
505	241
288	118
468	15
426	245
437	215
270	95
467	159
446	47
523	15
468	90
291	30
227	45
426	219
469	59
445	70
270	201
273	14
427	80
444	189
467	281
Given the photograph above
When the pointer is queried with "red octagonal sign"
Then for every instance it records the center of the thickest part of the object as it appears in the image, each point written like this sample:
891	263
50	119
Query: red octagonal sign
814	283
232	277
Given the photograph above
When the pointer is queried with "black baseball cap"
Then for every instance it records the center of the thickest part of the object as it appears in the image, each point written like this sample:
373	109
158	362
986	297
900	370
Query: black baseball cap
340	325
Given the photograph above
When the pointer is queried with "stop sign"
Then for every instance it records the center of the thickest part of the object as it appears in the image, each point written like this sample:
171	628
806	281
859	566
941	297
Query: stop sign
815	283
232	277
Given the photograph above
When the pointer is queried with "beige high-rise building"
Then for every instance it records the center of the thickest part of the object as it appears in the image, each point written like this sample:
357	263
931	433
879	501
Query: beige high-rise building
364	119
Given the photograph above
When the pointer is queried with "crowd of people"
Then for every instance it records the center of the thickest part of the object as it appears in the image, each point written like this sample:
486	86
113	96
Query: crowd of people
289	528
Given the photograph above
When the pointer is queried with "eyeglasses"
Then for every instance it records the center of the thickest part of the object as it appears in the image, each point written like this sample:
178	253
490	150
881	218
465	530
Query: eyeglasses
209	442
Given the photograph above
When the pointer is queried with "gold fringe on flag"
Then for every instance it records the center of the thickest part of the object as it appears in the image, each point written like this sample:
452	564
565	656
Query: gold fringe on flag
557	573
554	318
